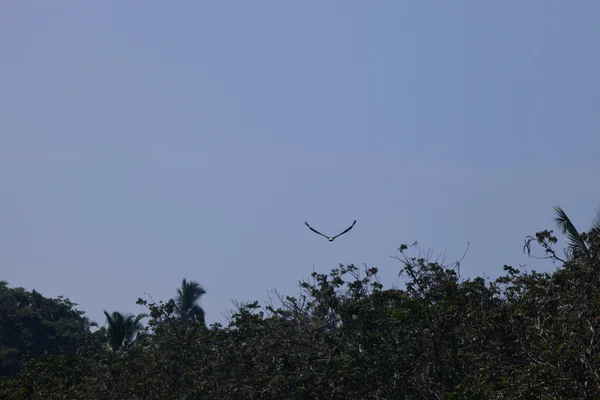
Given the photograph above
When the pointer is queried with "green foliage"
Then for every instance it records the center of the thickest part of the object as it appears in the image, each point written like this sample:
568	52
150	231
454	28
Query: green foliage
345	336
122	329
32	325
188	296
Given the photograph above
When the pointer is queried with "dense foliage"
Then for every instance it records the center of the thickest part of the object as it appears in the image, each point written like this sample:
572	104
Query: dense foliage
32	325
345	336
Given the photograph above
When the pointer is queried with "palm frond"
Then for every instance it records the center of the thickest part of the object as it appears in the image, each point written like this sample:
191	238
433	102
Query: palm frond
596	221
140	317
567	228
187	299
122	329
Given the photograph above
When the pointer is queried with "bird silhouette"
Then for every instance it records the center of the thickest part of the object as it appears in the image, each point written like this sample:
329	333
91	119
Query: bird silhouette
330	238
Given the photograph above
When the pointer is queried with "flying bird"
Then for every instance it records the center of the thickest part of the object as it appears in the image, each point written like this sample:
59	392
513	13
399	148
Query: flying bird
329	238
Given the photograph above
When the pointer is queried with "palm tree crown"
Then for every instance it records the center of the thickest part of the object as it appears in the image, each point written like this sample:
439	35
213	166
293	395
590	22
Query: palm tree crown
123	329
187	299
576	239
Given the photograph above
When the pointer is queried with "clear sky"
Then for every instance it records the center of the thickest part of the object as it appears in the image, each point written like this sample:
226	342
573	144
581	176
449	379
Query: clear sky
144	141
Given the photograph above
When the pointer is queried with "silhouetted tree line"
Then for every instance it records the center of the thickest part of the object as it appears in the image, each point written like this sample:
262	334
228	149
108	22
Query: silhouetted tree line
523	335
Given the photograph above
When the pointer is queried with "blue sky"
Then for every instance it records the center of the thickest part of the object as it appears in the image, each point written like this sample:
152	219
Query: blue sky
141	142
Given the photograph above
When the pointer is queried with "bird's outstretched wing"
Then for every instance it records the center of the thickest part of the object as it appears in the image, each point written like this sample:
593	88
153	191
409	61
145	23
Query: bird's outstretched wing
316	231
340	234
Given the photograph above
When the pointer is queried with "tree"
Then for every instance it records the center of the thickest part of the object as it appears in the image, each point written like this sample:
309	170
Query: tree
123	329
577	241
31	325
522	335
188	296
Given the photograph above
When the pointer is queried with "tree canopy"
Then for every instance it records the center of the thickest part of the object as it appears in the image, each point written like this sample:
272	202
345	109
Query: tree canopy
522	335
32	325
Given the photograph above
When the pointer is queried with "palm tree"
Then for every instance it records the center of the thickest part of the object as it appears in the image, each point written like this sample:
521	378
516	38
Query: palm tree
576	240
187	299
123	329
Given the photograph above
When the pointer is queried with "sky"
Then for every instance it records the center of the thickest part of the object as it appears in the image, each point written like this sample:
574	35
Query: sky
141	143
